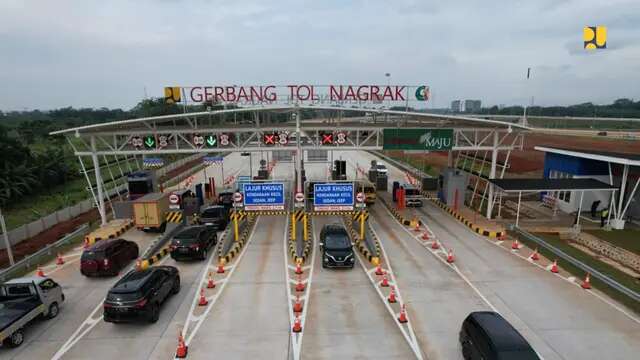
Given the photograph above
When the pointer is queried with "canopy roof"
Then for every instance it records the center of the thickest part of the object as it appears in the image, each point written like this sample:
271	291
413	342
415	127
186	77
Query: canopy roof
539	185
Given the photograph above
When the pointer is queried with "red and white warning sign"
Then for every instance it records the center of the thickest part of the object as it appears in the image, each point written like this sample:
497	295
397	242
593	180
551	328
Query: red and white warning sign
174	199
360	197
299	197
237	197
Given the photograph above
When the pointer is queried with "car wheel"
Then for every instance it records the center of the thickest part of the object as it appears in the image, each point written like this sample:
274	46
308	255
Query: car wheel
53	310
16	339
176	286
155	313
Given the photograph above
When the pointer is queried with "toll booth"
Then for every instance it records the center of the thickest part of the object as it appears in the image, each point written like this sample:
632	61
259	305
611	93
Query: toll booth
182	195
454	183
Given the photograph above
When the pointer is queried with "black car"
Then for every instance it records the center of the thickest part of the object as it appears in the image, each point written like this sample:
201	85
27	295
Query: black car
487	335
215	216
193	242
336	247
138	295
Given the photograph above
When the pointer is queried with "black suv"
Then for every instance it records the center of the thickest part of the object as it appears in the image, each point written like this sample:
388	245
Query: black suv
487	335
215	216
138	294
193	242
336	247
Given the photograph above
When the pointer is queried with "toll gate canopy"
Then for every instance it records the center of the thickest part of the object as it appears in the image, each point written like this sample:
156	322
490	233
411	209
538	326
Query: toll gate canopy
541	185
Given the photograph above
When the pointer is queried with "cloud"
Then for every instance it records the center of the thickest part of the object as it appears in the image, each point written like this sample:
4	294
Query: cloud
83	53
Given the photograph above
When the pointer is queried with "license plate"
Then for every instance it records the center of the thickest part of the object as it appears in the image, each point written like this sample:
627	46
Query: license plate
210	224
183	250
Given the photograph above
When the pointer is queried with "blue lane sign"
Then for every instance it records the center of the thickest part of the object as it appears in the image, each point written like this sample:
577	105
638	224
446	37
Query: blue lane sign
263	196
333	197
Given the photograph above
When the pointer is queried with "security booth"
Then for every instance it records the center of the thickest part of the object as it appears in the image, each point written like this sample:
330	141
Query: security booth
621	170
512	187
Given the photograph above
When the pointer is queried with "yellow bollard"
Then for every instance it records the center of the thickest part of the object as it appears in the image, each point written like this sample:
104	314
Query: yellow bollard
361	226
235	228
293	226
304	229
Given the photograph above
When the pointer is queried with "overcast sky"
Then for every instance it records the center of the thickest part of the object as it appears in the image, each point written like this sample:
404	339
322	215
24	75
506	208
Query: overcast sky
105	53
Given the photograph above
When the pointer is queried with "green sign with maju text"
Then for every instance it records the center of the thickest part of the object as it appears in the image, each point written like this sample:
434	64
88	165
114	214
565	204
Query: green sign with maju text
417	139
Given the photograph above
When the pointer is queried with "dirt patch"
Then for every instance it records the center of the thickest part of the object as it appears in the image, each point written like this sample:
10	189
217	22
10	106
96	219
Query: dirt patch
605	260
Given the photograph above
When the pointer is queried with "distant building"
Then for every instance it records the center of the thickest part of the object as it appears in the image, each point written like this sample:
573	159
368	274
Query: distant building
472	106
456	106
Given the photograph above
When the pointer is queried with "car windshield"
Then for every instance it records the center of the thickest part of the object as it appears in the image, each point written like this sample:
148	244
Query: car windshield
337	241
92	255
411	192
188	236
14	291
212	213
381	167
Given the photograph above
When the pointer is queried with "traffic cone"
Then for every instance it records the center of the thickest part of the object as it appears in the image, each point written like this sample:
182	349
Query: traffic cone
535	256
402	318
59	260
203	300
297	324
210	284
300	285
385	281
298	269
417	227
515	245
425	235
586	284
39	272
297	306
220	268
450	257
392	296
554	267
435	245
181	351
379	270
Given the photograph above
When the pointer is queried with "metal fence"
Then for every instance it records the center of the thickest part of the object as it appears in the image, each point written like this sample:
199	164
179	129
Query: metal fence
577	263
36	258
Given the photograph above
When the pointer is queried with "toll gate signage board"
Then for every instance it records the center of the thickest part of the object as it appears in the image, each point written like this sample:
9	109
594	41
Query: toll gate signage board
263	196
333	197
418	139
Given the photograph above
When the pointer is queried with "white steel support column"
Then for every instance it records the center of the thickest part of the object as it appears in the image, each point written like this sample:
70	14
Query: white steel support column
579	208
621	196
518	209
492	175
96	168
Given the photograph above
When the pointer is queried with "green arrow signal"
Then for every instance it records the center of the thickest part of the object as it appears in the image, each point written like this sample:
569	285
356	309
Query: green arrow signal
150	141
212	141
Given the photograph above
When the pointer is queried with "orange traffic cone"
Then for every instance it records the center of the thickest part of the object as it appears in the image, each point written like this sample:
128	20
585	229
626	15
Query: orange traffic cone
535	256
379	270
425	235
402	318
203	300
435	245
515	245
210	284
450	257
220	268
39	272
554	267
392	296
182	350
297	324
586	284
385	281
59	260
298	269
417	227
300	285
297	306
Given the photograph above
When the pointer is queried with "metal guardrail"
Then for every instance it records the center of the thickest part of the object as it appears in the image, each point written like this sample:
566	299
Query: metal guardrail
401	165
577	263
34	259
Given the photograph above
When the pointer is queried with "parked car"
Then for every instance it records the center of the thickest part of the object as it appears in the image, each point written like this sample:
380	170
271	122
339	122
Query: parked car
139	294
193	242
487	335
23	300
336	247
216	216
107	257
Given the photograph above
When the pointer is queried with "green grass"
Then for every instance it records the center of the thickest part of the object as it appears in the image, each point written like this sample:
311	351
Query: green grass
627	239
33	207
615	274
416	163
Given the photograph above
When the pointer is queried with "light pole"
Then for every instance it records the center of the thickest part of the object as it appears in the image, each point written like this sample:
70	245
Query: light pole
6	239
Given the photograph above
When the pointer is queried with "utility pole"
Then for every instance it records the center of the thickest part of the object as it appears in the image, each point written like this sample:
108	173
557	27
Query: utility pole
6	239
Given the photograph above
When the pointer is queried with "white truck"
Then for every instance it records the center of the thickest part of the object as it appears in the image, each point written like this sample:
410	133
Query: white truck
23	300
